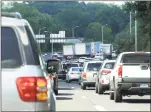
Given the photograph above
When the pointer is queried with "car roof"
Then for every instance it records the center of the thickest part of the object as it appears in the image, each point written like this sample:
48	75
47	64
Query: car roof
74	63
75	67
106	61
8	21
133	52
83	57
95	62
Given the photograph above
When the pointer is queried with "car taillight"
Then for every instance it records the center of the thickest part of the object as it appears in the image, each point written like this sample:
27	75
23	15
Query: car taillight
102	81
120	71
84	75
105	72
32	89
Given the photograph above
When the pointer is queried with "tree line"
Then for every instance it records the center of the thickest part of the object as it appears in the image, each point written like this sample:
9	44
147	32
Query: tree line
90	17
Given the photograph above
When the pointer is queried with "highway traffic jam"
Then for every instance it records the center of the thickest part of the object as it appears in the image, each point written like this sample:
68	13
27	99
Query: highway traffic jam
32	81
126	76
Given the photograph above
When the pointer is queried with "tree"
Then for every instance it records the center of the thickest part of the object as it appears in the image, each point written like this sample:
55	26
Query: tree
94	32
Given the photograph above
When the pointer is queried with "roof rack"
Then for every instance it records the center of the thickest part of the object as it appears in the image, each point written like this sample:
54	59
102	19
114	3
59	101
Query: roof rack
12	14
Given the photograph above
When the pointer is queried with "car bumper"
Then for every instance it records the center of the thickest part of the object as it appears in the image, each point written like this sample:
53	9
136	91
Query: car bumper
134	88
61	76
73	78
89	83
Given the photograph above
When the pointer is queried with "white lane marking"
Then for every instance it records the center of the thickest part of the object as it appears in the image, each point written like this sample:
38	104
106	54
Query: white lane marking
94	93
84	97
76	91
99	108
72	87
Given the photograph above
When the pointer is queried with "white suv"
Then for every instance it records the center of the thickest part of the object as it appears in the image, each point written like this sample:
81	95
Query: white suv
103	76
88	75
25	85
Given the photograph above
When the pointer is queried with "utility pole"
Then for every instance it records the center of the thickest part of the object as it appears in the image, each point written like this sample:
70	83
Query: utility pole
39	35
135	32
73	30
130	25
51	40
102	35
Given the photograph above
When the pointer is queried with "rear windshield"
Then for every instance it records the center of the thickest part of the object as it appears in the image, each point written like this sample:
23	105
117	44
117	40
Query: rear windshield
74	65
136	58
75	69
94	66
88	59
109	65
82	58
10	52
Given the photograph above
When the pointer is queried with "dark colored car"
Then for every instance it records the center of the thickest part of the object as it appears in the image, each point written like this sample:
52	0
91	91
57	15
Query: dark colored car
56	63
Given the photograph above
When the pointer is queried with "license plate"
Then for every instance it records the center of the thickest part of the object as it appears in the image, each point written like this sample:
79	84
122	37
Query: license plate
143	85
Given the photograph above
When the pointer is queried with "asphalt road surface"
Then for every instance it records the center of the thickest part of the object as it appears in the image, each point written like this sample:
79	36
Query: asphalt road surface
72	98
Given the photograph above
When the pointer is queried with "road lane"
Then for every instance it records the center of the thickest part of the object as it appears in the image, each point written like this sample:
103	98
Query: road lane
69	99
72	98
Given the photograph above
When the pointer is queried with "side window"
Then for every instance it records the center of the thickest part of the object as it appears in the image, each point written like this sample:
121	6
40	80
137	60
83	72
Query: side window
34	46
10	50
109	65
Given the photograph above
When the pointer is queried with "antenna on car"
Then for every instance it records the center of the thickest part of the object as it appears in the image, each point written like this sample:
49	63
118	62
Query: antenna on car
12	14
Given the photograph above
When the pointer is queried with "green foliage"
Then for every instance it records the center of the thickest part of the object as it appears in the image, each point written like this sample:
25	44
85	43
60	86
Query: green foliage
56	16
143	29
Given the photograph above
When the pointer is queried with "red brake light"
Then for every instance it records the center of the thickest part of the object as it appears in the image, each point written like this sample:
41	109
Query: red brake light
105	72
32	89
102	81
120	71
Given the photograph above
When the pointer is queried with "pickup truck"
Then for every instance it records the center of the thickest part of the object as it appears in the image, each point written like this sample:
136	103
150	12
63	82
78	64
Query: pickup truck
130	76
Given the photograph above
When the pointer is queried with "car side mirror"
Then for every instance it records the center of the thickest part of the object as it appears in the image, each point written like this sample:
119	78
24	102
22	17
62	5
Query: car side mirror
51	67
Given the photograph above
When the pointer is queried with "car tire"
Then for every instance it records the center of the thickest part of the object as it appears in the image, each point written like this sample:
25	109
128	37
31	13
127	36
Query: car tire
100	89
111	95
79	82
69	81
66	81
96	88
83	86
117	96
56	92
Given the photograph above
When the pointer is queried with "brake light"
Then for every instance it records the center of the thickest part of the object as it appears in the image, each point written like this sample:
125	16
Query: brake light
105	72
120	71
102	81
32	89
84	75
